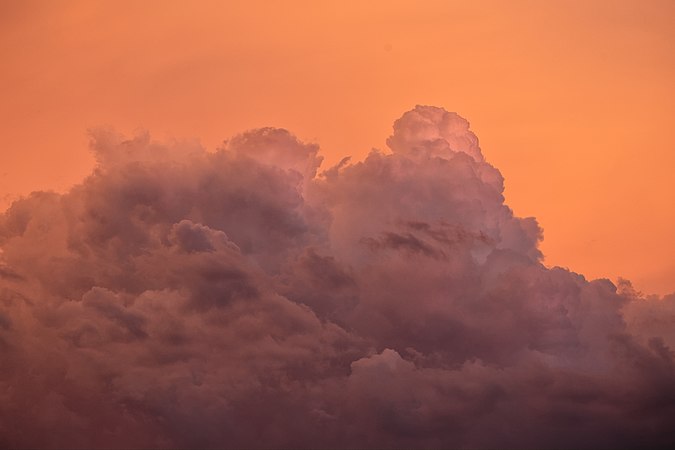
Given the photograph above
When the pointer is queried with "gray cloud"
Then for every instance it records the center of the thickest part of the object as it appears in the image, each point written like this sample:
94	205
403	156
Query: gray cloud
181	298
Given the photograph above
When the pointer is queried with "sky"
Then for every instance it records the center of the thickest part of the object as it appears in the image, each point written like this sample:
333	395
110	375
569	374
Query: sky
337	224
571	99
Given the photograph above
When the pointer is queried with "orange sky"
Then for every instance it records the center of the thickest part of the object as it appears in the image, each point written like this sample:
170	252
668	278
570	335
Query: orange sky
572	100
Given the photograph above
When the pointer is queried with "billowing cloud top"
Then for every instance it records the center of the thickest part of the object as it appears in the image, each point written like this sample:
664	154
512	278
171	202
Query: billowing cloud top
181	298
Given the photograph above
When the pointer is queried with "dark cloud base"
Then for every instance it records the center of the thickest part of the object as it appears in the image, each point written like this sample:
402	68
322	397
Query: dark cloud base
181	298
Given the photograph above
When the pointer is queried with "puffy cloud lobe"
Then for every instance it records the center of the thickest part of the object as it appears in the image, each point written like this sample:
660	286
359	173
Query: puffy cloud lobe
278	148
181	298
430	131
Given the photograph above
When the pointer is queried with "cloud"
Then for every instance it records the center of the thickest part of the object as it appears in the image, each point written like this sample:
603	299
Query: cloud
183	298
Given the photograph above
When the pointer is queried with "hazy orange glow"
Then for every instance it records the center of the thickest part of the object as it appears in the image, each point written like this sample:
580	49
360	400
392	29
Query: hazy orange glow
572	100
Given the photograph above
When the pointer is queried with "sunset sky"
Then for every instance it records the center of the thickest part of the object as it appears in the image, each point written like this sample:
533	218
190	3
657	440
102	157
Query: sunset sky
572	100
188	259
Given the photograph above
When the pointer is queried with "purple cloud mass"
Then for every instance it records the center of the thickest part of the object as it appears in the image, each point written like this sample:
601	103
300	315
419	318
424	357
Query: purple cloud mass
182	298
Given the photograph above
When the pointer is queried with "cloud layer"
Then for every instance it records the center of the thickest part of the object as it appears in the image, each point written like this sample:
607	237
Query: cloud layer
238	298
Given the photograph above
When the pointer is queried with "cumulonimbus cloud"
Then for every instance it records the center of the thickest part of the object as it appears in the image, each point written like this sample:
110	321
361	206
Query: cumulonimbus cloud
239	298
